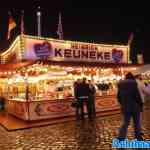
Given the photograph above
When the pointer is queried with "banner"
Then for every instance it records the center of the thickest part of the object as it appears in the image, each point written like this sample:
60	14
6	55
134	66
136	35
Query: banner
74	51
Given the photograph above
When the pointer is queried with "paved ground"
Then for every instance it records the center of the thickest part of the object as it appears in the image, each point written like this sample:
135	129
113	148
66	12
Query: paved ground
96	135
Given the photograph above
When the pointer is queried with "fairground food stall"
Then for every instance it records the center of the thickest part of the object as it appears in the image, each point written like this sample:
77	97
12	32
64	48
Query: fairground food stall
43	88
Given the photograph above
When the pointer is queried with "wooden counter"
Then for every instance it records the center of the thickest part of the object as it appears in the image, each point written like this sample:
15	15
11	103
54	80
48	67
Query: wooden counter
38	110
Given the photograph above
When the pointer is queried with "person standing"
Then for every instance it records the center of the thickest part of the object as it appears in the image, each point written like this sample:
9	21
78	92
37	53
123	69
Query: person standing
79	109
84	97
131	105
144	91
91	105
141	86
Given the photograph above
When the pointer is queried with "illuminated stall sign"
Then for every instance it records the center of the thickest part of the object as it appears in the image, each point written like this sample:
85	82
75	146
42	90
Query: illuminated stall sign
80	54
74	51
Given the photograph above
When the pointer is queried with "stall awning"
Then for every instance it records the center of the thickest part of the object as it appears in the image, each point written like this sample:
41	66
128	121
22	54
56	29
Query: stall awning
14	66
142	69
90	64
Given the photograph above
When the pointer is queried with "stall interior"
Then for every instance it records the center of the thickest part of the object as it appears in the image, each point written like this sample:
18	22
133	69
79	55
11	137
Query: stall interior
49	82
146	78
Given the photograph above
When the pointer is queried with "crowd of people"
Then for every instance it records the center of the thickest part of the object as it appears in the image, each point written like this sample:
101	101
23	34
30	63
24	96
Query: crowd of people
84	93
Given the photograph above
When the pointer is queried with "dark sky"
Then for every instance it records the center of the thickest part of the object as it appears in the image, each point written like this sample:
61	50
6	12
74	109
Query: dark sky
90	21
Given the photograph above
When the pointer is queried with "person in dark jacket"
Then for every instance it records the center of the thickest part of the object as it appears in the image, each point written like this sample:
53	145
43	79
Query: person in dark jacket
79	108
84	97
91	101
131	105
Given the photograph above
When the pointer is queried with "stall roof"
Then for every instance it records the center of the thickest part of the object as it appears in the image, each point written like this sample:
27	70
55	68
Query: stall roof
26	47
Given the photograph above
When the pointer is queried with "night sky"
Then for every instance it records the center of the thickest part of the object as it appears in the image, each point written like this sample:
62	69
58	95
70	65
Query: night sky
91	21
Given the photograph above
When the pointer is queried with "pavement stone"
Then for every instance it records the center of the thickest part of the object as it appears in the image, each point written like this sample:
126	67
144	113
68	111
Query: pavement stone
81	135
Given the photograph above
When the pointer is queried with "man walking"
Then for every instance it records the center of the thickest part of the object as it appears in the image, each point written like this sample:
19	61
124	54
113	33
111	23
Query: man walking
131	105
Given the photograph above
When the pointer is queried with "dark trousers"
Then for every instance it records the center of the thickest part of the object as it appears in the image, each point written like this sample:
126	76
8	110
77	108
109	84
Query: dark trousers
80	110
126	120
91	106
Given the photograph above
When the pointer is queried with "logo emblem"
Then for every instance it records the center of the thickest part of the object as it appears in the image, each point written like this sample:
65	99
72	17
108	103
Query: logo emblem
43	50
117	55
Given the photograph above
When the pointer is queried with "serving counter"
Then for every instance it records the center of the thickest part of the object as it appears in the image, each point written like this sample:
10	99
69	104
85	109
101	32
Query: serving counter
46	109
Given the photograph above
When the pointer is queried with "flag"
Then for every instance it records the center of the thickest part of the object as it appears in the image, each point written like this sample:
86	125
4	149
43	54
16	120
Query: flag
59	29
11	25
22	23
130	38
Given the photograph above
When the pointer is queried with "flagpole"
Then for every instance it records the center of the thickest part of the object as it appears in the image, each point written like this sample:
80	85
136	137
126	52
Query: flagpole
22	23
39	21
59	29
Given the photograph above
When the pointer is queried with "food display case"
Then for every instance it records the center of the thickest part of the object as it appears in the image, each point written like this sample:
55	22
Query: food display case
33	100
